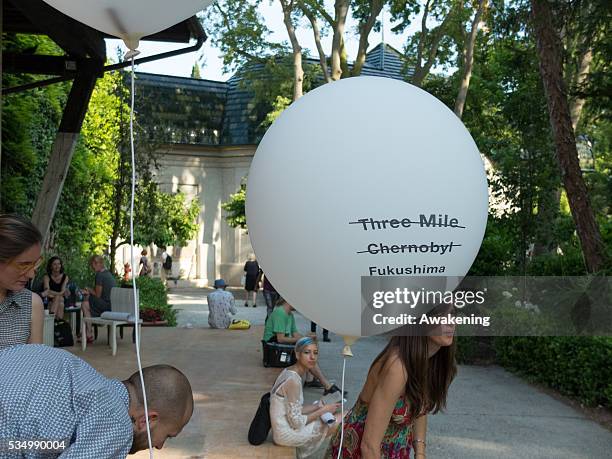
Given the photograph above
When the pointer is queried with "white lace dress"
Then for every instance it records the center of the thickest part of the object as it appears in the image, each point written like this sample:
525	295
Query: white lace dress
289	426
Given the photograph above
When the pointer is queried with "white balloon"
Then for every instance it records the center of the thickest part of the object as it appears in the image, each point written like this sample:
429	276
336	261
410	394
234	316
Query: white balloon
129	19
361	148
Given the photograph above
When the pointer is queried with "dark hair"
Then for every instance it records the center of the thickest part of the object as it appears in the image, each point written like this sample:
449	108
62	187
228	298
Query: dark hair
50	268
17	234
428	378
168	392
280	301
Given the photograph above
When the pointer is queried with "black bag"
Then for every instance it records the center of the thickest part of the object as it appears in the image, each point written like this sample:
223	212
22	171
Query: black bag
62	334
168	262
261	424
278	355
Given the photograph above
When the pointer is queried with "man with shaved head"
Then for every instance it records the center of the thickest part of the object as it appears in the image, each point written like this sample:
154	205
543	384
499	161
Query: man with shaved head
53	403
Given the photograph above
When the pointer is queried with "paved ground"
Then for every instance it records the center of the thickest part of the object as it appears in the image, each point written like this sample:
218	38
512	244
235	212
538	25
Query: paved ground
491	413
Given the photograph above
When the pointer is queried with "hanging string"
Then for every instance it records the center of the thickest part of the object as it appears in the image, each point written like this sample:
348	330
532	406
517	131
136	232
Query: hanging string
342	408
136	299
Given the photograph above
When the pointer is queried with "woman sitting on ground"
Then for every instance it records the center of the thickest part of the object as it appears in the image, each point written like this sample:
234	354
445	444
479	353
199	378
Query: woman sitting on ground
293	423
55	282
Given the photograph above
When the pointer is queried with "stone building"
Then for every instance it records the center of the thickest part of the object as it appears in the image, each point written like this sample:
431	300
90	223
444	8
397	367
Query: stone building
208	132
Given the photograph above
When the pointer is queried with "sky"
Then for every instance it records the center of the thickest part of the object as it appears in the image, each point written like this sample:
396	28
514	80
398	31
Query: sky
210	60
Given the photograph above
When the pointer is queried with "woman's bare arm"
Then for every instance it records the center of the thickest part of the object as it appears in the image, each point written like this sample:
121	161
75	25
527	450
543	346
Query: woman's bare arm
37	321
419	436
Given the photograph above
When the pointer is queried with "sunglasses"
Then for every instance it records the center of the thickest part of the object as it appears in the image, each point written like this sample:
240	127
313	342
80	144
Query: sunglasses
26	266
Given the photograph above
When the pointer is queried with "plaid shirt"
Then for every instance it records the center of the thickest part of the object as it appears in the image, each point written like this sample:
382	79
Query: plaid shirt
49	394
15	318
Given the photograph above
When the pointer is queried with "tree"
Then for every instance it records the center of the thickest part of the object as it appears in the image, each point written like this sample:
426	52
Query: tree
236	217
159	218
164	219
288	7
195	71
468	56
551	68
428	46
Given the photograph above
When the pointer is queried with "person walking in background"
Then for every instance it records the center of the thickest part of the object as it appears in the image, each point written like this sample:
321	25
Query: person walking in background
97	300
220	306
313	329
145	268
54	284
271	296
251	281
409	379
21	311
166	272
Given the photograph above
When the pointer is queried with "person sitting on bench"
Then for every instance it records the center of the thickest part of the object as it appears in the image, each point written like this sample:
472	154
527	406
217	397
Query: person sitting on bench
97	300
280	328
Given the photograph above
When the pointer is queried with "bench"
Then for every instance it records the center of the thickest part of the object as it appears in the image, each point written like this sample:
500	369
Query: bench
122	301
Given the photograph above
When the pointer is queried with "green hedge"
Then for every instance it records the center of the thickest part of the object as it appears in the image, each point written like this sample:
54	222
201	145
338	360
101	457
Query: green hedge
577	366
154	297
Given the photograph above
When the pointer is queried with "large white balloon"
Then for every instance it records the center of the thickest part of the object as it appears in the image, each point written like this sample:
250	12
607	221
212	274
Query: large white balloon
129	19
359	149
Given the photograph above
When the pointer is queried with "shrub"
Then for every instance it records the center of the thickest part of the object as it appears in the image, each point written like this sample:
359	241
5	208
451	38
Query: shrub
575	366
475	350
154	300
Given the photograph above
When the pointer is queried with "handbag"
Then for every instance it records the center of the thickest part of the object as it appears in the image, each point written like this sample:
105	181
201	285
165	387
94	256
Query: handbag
243	281
62	334
239	324
261	423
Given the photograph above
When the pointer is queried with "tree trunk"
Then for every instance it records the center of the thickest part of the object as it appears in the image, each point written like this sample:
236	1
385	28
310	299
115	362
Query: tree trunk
584	66
469	58
62	150
422	68
317	37
551	70
419	75
341	7
548	210
364	31
298	71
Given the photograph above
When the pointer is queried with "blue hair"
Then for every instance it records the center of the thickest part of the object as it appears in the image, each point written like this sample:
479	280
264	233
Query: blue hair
303	342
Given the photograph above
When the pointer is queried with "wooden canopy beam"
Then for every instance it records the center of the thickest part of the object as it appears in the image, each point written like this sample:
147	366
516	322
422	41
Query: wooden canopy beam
36	64
63	148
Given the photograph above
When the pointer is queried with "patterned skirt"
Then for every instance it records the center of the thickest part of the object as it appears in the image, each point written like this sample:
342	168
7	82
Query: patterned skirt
396	443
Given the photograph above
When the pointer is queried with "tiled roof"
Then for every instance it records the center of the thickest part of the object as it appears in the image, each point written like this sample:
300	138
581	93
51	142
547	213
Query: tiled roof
205	112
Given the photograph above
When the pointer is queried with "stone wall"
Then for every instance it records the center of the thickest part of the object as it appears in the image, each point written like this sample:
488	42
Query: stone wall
210	175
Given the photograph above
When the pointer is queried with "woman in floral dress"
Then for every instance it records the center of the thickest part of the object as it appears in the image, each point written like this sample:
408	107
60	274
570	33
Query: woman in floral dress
407	380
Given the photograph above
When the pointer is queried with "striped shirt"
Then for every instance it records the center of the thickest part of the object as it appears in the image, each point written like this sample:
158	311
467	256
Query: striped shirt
15	318
49	394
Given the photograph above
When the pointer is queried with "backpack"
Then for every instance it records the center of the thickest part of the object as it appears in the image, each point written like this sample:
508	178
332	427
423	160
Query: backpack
261	424
168	262
62	334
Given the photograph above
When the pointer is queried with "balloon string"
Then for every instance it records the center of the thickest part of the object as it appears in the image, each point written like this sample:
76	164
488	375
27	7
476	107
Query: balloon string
136	299
342	408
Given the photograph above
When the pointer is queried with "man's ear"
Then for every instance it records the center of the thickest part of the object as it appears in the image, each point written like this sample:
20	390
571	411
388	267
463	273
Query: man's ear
140	422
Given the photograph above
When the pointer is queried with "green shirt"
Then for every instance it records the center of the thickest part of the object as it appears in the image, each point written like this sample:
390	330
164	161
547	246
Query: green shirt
279	322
